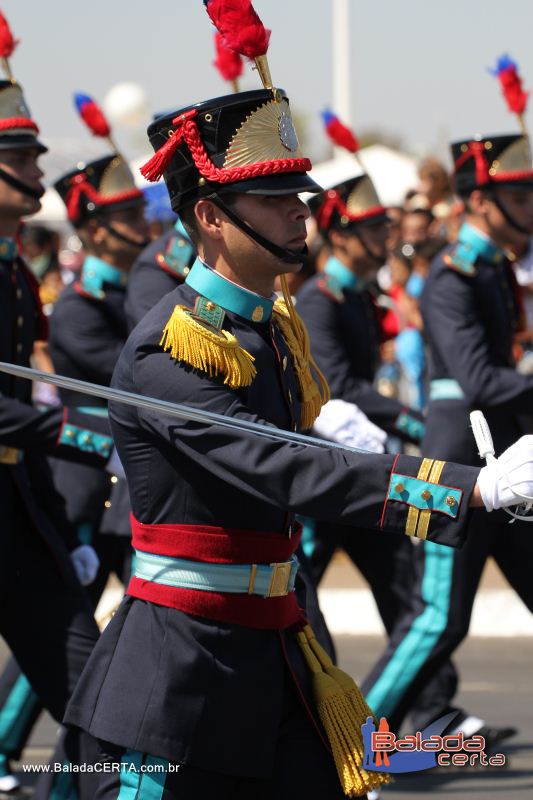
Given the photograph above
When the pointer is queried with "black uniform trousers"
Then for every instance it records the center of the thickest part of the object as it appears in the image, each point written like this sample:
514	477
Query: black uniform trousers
48	625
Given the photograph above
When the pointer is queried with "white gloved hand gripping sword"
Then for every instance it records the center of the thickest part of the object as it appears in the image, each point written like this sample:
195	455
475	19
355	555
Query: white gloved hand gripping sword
507	480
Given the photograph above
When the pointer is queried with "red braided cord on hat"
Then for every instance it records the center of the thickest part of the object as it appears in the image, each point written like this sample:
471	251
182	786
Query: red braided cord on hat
334	202
475	150
18	122
81	186
189	134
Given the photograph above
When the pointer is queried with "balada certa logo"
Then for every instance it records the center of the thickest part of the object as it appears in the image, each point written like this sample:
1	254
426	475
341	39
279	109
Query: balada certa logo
385	752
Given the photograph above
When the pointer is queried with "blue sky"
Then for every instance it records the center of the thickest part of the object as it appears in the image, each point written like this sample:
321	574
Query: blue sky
418	67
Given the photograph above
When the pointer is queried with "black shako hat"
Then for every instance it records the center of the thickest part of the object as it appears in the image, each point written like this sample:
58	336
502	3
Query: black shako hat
346	205
244	142
17	128
91	189
492	161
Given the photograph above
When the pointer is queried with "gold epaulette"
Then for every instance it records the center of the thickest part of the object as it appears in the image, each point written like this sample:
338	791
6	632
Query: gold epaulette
196	337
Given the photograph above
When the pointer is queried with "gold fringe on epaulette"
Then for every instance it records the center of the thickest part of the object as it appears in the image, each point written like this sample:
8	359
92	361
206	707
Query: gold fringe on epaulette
313	393
342	710
216	352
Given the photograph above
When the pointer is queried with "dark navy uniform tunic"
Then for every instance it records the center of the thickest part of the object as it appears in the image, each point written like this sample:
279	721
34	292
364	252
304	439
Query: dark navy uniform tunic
45	616
64	432
162	266
187	688
342	319
88	331
470	313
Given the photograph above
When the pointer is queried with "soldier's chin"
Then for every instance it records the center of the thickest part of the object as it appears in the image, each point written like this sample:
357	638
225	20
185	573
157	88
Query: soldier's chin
31	206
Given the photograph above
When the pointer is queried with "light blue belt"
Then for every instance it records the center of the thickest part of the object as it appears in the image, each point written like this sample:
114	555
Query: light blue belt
445	389
266	580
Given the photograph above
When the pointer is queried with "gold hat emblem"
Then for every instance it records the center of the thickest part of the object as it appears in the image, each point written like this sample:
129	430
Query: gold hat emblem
265	135
117	177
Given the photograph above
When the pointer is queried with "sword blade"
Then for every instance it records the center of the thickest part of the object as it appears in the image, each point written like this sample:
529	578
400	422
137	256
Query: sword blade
179	410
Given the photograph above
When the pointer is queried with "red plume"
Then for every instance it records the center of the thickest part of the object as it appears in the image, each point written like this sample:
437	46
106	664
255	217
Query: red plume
228	62
240	27
339	133
511	84
7	42
92	115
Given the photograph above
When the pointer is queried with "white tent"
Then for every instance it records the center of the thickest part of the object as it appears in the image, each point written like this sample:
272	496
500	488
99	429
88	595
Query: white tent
392	173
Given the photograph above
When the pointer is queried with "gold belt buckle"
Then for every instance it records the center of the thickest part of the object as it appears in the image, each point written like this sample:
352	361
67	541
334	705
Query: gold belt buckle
10	455
279	580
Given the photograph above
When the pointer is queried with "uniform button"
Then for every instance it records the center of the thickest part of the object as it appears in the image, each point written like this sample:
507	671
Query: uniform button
451	501
19	294
209	305
19	348
107	504
114	479
284	362
20	321
399	488
69	433
426	494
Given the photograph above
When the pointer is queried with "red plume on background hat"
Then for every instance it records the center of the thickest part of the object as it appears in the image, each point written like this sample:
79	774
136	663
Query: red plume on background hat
104	184
506	71
228	62
352	201
7	45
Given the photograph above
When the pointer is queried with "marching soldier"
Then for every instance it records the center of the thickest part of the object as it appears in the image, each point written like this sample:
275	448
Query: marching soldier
202	670
88	331
45	617
471	310
342	318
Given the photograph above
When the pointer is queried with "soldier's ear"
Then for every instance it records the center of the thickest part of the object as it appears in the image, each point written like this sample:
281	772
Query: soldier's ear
208	219
477	202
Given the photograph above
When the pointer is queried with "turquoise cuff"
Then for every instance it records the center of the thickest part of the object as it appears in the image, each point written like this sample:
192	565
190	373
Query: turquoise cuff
424	495
85	440
96	411
412	426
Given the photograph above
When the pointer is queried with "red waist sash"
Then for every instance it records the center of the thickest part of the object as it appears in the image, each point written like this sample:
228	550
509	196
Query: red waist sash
220	546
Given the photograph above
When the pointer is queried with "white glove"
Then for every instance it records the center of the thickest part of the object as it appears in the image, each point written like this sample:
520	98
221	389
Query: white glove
508	481
114	465
86	563
345	423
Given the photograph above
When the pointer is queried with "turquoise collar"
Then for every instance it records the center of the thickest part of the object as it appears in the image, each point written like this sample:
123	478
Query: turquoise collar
8	249
95	273
228	295
472	244
345	278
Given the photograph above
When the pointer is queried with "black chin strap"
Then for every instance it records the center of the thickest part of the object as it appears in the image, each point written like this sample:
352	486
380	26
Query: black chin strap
284	254
508	218
377	259
15	183
122	237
